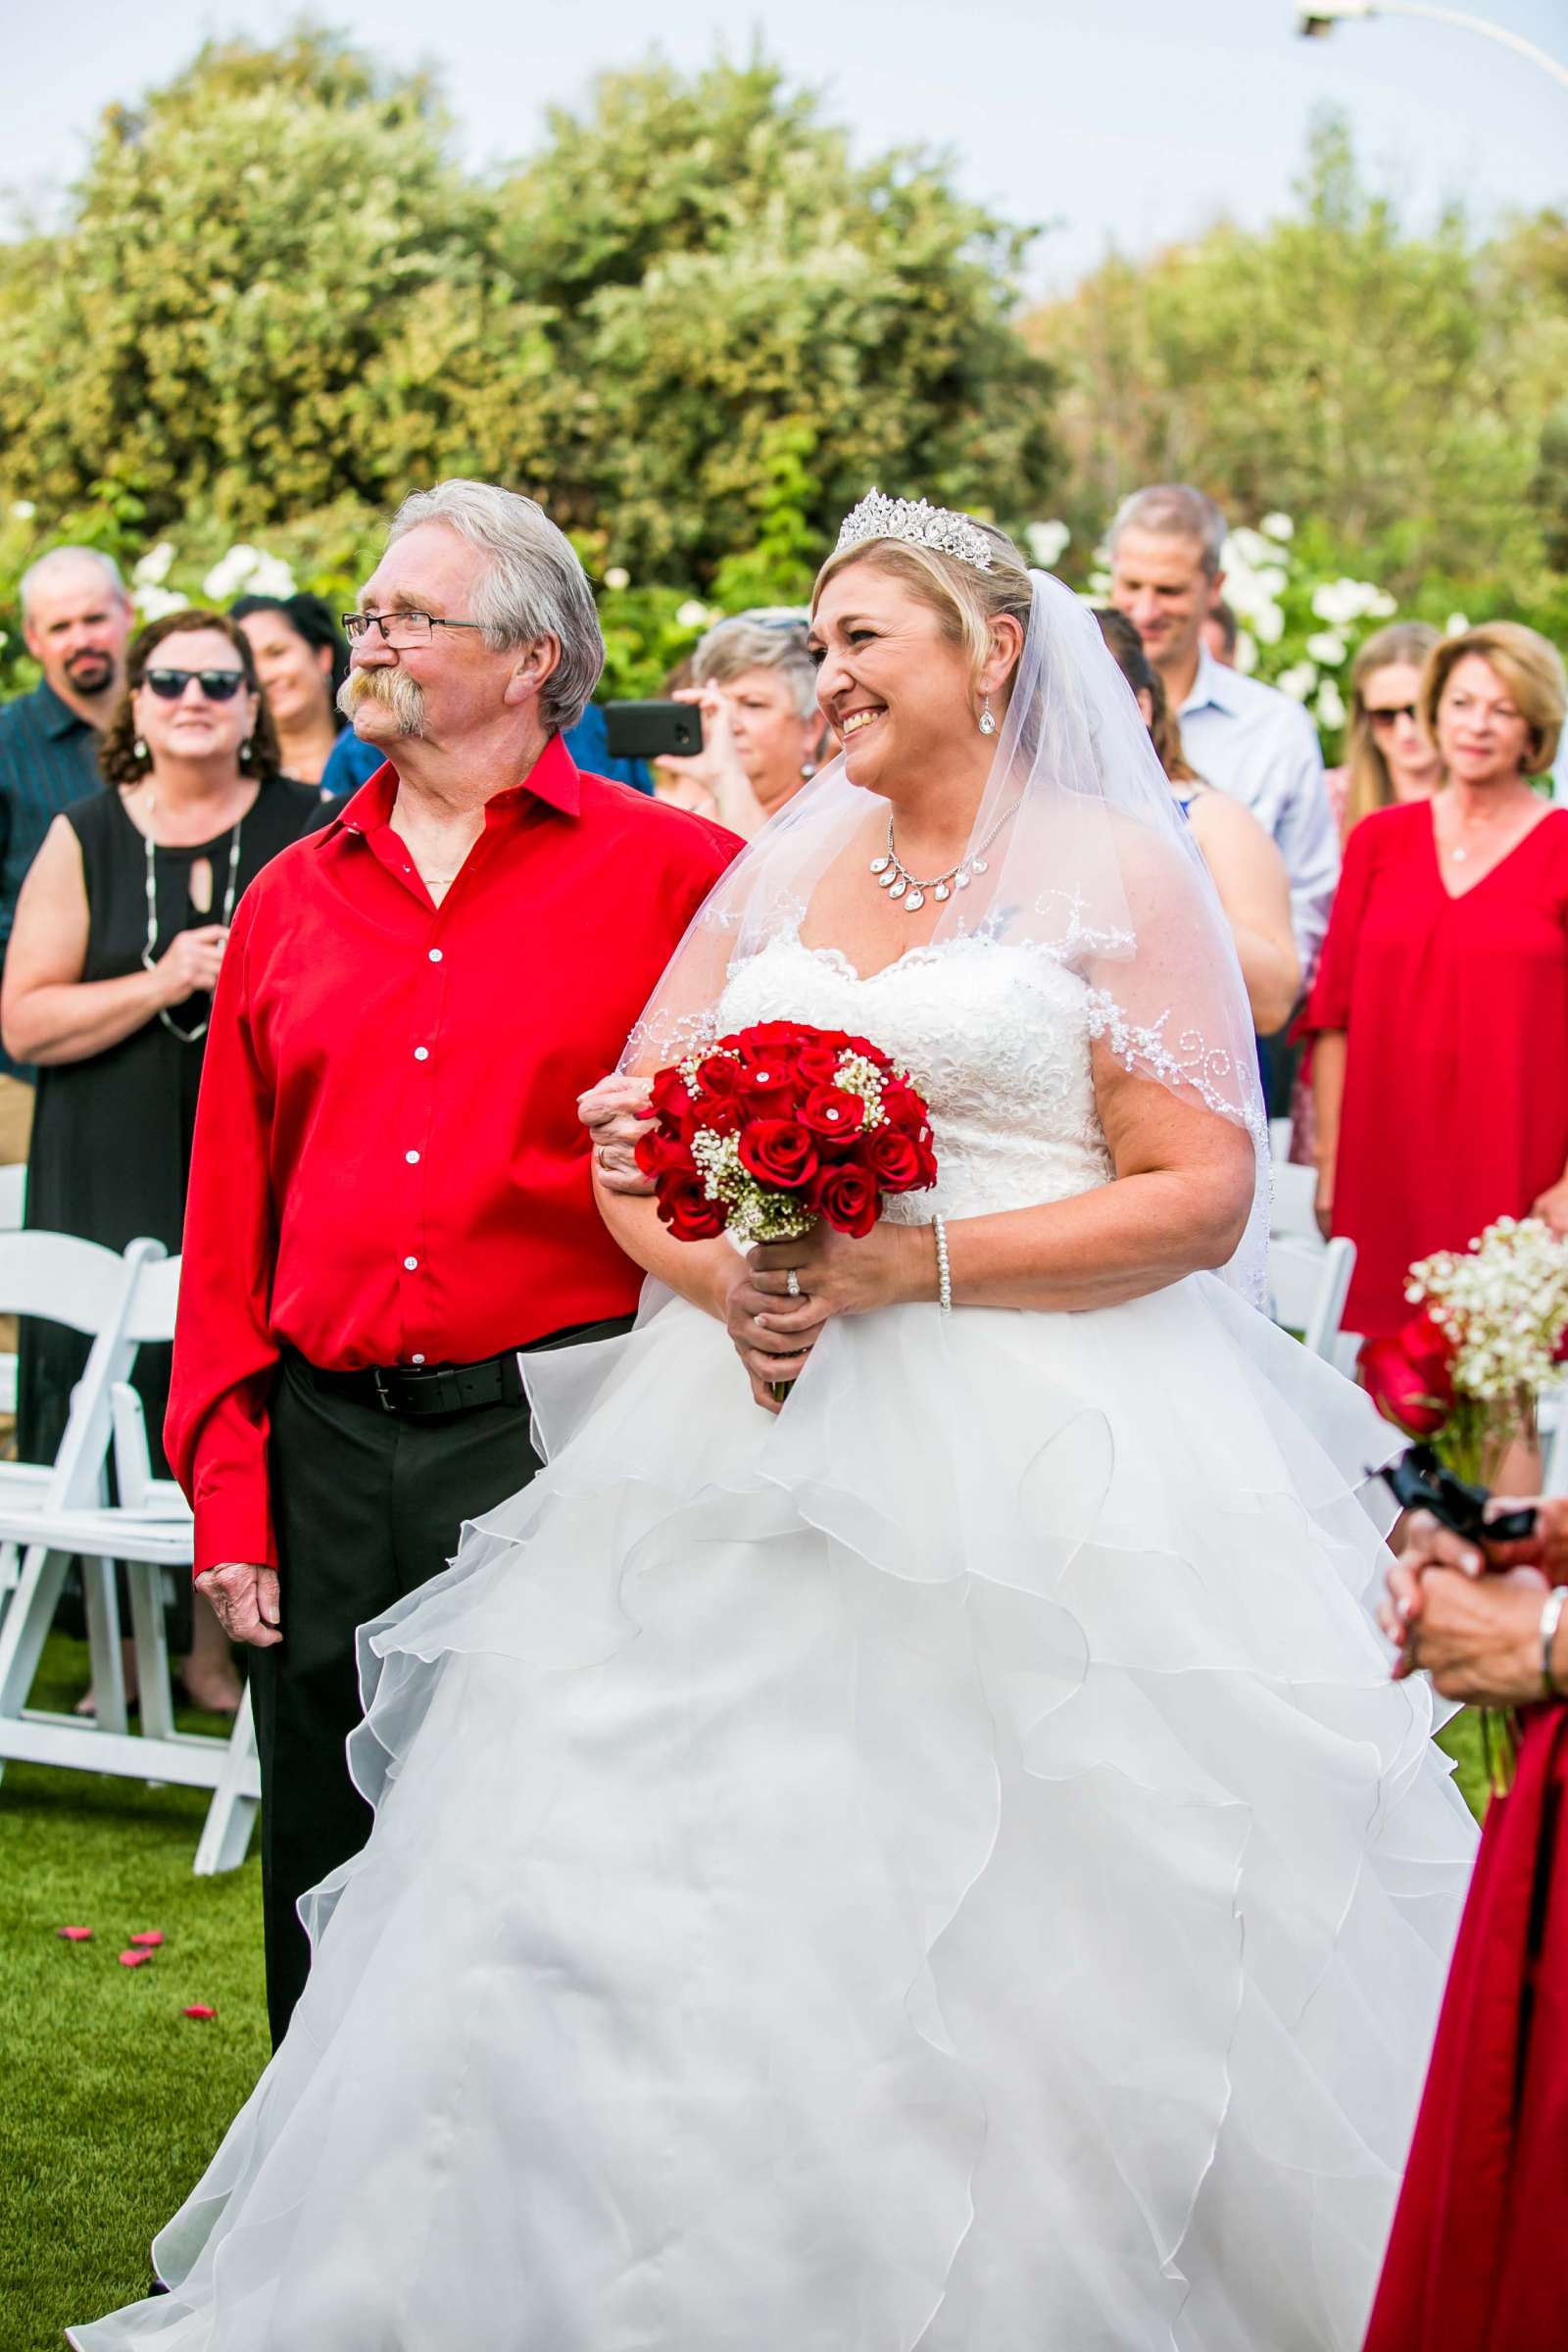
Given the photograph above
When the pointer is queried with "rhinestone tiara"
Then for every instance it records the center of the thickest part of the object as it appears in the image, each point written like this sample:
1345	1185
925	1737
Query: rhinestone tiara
915	519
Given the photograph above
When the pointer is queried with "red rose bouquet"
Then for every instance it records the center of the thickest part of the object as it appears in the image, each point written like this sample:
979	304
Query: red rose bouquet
778	1125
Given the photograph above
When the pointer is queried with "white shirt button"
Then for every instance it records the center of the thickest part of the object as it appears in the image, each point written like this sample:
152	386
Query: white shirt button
435	956
413	1264
412	1158
422	1053
418	1359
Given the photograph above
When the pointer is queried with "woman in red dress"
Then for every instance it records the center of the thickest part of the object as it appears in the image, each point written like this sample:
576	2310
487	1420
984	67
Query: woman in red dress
1439	1011
1474	2264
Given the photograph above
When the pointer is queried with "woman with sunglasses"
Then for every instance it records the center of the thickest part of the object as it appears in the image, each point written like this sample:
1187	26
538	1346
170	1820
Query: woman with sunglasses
1389	757
119	932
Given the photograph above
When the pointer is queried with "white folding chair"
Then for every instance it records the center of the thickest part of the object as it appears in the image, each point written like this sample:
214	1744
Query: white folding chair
13	1201
1554	1440
1309	1278
147	1531
1307	1286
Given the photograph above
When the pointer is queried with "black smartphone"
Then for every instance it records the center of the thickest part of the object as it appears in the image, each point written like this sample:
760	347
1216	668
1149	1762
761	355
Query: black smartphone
652	731
1419	1482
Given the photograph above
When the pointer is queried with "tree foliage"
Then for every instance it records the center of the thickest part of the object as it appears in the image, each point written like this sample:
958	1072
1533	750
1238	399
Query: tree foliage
1405	389
690	323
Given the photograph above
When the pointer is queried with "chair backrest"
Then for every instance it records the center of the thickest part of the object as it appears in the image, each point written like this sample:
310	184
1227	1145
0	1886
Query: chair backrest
1307	1286
1292	1202
61	1279
1554	1447
153	1300
13	1197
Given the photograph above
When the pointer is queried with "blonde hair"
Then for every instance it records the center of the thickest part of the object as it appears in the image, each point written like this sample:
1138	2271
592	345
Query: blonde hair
1368	783
1530	668
964	599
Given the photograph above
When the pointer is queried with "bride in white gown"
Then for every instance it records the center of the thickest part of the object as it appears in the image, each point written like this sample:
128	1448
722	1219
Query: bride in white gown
944	1864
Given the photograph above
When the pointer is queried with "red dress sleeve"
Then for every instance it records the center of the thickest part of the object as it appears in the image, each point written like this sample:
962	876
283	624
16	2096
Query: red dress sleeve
224	1355
1328	1006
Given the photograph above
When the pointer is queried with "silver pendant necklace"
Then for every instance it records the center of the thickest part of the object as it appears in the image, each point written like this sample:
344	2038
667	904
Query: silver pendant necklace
894	877
149	953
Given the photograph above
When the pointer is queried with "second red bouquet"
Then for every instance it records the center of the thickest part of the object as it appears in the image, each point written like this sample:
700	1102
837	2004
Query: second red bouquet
778	1125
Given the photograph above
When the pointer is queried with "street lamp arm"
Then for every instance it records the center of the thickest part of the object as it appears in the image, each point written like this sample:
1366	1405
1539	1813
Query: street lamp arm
1320	15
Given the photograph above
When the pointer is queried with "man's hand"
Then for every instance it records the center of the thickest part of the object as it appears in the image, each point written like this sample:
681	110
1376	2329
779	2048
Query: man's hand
244	1601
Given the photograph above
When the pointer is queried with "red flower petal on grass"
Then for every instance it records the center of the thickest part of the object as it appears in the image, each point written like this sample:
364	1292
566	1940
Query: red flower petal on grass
135	1959
198	2010
74	1935
149	1939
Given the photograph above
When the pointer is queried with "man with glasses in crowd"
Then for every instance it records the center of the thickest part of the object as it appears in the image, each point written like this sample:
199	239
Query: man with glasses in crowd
76	623
391	1191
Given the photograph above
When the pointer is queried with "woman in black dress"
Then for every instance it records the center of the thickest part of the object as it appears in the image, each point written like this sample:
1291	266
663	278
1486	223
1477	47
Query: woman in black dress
119	932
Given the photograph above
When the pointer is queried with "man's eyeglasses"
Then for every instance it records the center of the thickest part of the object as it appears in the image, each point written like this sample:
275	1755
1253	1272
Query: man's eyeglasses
1390	713
400	628
218	685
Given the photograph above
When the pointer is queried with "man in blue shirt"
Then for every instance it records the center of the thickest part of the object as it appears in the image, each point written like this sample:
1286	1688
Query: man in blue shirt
1242	737
77	621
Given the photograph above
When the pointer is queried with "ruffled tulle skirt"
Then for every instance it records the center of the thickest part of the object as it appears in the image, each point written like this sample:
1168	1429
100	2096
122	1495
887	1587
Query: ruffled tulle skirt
945	1867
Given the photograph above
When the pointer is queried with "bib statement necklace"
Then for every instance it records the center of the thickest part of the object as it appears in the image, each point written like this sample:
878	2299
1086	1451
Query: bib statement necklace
894	877
149	953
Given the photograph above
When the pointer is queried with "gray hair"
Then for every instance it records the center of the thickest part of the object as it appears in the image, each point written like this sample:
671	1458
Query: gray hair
62	558
533	585
1175	511
769	637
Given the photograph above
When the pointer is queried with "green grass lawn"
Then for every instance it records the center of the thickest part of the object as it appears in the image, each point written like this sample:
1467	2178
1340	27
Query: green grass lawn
112	2101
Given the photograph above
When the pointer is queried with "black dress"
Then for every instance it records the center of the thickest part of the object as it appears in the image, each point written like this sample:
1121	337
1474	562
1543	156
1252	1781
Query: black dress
112	1134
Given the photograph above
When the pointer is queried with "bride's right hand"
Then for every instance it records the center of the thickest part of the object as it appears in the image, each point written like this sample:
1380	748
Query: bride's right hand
773	1337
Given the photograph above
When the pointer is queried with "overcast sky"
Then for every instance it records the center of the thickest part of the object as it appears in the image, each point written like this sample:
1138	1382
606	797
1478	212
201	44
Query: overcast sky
1118	120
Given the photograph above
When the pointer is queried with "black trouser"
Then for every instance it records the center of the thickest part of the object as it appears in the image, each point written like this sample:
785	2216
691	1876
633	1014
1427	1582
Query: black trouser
368	1505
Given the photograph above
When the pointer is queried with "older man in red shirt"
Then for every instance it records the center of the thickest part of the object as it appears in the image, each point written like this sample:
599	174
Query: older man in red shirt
390	1193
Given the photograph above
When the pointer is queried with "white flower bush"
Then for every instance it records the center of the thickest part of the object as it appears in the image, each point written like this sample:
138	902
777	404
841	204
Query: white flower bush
1047	542
1328	706
246	571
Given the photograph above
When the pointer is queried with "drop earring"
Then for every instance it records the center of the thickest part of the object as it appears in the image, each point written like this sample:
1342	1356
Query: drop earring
140	751
987	725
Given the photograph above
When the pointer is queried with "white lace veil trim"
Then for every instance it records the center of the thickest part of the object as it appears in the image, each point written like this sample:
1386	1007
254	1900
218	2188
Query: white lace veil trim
1095	867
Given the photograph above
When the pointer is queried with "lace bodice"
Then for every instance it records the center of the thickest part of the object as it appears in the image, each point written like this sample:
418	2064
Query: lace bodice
996	1038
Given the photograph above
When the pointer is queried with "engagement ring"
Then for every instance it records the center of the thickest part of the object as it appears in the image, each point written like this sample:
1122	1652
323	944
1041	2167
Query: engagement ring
792	1283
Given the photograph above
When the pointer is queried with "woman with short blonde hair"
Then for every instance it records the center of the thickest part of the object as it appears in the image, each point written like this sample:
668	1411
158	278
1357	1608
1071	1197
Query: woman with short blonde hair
1530	668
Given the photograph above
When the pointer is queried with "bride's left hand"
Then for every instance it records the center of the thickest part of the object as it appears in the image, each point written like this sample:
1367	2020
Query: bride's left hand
839	1275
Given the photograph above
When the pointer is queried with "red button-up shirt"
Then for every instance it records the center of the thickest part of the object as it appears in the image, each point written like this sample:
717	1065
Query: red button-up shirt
388	1166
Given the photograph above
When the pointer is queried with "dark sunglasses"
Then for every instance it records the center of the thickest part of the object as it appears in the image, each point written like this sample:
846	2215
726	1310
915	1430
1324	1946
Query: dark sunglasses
218	685
1390	712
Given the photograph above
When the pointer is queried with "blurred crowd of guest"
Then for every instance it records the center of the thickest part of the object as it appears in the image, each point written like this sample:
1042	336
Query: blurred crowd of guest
1412	1011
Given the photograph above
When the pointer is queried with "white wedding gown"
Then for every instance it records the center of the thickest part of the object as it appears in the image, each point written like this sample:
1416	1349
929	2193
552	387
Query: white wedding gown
943	1867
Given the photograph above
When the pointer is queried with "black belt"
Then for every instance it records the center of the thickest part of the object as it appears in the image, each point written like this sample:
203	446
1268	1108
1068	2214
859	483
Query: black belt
428	1391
